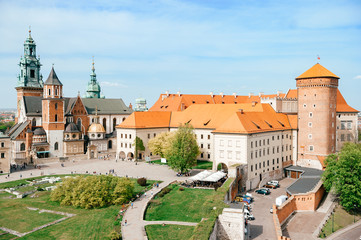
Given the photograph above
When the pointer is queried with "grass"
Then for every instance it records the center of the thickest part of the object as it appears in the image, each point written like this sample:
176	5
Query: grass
169	232
186	206
200	164
87	224
341	220
190	205
7	236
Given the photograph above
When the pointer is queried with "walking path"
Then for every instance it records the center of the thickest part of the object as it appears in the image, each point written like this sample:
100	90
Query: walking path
350	232
134	229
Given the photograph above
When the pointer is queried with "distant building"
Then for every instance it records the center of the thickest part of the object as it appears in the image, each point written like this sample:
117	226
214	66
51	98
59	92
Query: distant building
5	149
49	125
140	105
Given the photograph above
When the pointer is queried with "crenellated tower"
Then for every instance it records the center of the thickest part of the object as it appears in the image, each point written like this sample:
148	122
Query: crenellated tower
317	97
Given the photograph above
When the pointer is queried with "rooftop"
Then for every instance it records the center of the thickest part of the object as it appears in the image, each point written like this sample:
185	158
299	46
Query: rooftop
317	71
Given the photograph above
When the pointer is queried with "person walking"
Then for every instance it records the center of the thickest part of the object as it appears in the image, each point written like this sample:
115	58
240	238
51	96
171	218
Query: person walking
125	222
131	204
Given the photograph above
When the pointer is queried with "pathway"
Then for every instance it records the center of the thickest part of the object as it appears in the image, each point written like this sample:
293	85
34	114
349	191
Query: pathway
134	230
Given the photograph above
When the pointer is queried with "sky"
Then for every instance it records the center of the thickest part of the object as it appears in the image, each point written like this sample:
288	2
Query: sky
144	48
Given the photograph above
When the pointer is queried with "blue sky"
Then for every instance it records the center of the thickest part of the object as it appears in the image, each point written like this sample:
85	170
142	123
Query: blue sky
144	48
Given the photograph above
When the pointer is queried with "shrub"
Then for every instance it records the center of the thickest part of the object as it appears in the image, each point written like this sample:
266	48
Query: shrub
142	181
181	189
93	191
217	185
39	189
115	236
164	191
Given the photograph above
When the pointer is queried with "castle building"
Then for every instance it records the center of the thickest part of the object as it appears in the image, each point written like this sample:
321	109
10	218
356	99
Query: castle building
50	126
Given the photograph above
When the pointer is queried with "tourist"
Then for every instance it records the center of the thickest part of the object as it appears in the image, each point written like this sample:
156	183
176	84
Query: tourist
125	222
131	204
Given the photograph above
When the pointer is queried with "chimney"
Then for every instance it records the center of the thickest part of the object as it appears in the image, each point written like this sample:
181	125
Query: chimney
179	94
211	93
130	106
250	95
221	93
254	103
260	94
241	111
278	93
235	95
167	93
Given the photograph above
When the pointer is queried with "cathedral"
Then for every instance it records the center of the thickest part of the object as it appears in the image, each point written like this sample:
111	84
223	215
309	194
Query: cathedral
49	126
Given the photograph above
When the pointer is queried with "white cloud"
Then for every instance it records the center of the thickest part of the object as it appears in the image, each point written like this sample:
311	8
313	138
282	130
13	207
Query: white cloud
357	77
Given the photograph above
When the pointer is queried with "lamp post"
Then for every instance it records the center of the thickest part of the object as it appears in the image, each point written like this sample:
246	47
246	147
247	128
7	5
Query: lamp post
333	215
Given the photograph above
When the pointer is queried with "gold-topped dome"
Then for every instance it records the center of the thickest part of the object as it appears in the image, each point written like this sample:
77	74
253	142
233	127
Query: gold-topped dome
96	128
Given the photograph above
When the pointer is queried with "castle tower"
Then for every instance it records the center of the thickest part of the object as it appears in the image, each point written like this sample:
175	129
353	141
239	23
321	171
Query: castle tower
53	114
30	81
93	89
317	91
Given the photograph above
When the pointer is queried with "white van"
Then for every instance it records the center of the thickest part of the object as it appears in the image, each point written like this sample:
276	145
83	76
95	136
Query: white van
280	200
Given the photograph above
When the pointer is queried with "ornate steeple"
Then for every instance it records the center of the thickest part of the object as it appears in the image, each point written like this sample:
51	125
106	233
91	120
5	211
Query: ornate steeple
93	89
30	66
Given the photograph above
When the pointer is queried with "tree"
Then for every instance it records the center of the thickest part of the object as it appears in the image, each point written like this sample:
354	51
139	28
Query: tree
343	175
183	149
139	146
160	143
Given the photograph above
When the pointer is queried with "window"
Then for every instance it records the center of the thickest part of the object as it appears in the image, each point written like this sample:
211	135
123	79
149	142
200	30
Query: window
268	141
78	123
56	105
56	92
267	162
314	105
49	92
154	134
121	135
260	153
221	154
105	123
32	73
201	155
251	168
259	165
221	143
209	146
278	137
342	137
278	149
348	137
264	163
238	155
267	151
99	135
304	105
56	117
260	143
251	155
255	166
201	136
255	143
201	145
148	135
309	136
125	136
333	124
114	123
56	146
278	160
2	155
349	125
310	148
2	144
343	125
273	138
310	124
209	155
273	150
130	136
255	154
251	144
310	114
229	143
273	161
209	136
229	154
125	145
238	143
121	144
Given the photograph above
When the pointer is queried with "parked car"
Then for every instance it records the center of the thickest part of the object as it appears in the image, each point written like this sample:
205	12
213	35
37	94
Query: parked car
269	186
264	191
274	182
249	216
271	210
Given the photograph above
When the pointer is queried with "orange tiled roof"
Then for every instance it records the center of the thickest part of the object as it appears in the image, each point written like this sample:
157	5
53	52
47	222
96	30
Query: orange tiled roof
293	121
292	93
322	161
342	106
315	71
146	120
265	119
180	102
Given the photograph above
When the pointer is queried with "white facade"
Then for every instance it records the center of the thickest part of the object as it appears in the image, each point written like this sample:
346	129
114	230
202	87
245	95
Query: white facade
346	130
55	140
108	119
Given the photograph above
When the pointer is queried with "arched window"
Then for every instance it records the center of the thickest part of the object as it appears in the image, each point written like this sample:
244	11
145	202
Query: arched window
105	124
56	117
33	122
114	123
78	123
56	146
49	92
22	147
56	105
110	144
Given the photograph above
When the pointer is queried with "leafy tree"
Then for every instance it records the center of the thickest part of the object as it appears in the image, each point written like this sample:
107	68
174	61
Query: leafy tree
6	125
93	191
183	149
343	175
160	143
139	146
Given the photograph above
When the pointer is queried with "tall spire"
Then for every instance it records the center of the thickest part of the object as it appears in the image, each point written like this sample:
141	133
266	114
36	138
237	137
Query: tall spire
93	89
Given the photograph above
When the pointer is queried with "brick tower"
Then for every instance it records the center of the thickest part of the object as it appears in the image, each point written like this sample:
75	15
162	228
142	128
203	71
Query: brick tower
53	114
317	91
30	81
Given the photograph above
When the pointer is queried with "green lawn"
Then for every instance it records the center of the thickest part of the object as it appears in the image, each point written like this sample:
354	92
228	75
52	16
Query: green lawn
169	232
187	206
200	164
7	236
87	224
341	219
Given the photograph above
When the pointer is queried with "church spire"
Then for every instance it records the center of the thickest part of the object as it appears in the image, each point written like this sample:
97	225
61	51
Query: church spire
93	89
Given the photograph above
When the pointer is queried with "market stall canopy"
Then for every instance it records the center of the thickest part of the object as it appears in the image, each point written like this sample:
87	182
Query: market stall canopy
200	176
215	177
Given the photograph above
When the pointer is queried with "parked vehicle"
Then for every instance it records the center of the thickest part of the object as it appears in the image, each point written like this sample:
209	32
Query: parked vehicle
248	216
274	182
271	210
280	200
269	186
264	191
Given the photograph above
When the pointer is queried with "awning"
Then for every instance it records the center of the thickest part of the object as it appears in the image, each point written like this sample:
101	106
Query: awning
43	152
201	175
215	177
